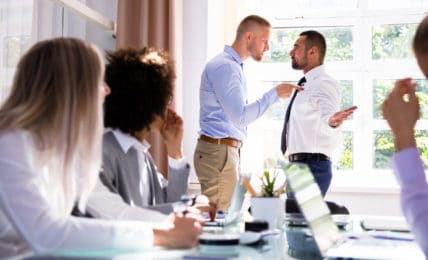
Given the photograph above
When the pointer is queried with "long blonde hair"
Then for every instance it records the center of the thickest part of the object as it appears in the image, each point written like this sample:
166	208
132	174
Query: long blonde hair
56	98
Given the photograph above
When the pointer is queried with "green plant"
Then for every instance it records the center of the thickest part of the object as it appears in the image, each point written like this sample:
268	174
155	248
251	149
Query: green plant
268	184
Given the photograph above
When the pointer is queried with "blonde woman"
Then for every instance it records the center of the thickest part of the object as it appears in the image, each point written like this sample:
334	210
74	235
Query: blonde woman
50	153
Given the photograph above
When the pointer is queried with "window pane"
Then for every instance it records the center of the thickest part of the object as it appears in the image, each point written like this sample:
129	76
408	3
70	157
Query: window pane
382	4
15	38
384	147
14	48
277	110
339	43
347	160
382	87
281	42
347	94
392	41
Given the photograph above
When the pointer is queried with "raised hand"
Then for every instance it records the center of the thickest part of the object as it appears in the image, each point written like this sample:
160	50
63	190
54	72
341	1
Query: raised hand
172	132
402	114
284	90
203	204
337	118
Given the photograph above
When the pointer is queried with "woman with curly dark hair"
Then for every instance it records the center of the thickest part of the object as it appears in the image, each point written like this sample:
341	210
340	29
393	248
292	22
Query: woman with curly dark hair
141	83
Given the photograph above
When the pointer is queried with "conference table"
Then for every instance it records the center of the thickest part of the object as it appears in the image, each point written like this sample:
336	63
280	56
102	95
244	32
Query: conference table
271	247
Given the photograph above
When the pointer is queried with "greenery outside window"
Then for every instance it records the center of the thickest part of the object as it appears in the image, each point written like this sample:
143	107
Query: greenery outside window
368	49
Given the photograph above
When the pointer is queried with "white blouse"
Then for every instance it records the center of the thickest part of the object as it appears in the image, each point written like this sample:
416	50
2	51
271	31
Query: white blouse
29	218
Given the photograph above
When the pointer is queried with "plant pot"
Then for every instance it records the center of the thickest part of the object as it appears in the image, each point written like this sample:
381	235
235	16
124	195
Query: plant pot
270	209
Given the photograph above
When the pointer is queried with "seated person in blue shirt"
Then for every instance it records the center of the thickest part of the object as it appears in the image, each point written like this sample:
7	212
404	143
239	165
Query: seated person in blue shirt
402	114
141	83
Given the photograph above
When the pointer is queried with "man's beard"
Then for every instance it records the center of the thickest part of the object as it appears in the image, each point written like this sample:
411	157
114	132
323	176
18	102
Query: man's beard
296	65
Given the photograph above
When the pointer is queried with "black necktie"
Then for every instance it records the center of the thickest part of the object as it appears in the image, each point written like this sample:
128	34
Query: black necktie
287	117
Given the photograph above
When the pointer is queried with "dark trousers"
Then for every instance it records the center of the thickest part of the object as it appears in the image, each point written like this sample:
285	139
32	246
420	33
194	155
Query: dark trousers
322	172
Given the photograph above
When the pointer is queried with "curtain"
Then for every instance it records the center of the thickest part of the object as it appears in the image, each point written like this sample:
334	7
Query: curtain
148	23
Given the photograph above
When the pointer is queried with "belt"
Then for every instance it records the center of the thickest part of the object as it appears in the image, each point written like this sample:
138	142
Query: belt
226	141
308	157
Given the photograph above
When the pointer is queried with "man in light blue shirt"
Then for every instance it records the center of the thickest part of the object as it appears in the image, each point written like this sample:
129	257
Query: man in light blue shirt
225	112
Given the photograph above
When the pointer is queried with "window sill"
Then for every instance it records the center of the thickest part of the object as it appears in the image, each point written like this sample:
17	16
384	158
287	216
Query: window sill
378	183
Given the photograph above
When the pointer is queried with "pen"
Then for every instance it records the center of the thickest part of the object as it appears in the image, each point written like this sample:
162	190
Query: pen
180	207
385	237
392	237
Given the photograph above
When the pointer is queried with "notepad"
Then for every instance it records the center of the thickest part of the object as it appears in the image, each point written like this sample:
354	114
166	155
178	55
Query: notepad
385	223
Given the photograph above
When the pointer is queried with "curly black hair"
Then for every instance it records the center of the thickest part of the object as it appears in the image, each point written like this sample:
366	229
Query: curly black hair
141	83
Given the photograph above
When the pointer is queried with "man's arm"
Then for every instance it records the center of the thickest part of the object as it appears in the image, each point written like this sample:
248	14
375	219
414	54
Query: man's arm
229	89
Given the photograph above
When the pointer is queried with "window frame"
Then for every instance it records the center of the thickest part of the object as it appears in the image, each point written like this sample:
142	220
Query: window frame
362	70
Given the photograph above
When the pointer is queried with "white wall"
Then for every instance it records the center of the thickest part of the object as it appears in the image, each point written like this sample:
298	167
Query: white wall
203	38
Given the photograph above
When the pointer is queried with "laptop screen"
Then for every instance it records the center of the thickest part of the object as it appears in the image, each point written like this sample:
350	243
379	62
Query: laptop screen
312	206
237	199
233	213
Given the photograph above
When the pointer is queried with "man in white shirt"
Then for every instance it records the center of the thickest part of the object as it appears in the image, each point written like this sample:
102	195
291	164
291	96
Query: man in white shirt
311	132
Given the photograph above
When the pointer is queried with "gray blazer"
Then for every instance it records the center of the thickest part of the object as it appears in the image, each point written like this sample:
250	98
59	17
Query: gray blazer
121	175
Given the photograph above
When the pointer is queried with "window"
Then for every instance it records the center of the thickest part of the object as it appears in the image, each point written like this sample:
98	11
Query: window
15	38
18	29
368	48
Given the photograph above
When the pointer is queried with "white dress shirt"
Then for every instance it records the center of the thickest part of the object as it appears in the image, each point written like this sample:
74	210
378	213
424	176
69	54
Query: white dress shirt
309	131
30	217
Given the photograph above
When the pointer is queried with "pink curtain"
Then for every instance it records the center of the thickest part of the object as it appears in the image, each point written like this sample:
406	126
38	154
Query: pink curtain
148	23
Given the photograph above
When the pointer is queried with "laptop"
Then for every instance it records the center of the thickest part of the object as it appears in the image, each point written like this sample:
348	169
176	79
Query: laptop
234	211
326	235
298	220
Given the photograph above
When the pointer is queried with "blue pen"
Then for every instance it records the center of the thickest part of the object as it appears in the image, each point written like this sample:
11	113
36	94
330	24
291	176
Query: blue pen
385	237
392	238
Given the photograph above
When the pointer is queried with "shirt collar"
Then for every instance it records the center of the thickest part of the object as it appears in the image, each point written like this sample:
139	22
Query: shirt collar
229	50
127	141
314	73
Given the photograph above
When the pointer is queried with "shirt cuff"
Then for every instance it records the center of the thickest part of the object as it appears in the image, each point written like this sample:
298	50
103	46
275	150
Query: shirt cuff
408	167
177	163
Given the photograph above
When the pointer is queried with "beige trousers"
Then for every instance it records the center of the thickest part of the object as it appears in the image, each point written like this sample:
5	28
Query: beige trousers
217	167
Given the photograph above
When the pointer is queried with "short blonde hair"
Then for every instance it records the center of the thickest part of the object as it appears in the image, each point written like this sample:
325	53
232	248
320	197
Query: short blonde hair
248	23
55	97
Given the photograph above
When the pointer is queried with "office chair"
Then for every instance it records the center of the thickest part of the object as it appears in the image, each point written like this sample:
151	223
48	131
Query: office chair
291	206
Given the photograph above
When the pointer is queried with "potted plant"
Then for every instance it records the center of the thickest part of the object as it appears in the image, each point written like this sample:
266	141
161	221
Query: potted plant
268	185
269	206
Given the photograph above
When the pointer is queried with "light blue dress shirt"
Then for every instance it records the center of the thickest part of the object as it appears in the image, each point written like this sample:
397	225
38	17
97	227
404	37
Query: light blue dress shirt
224	109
